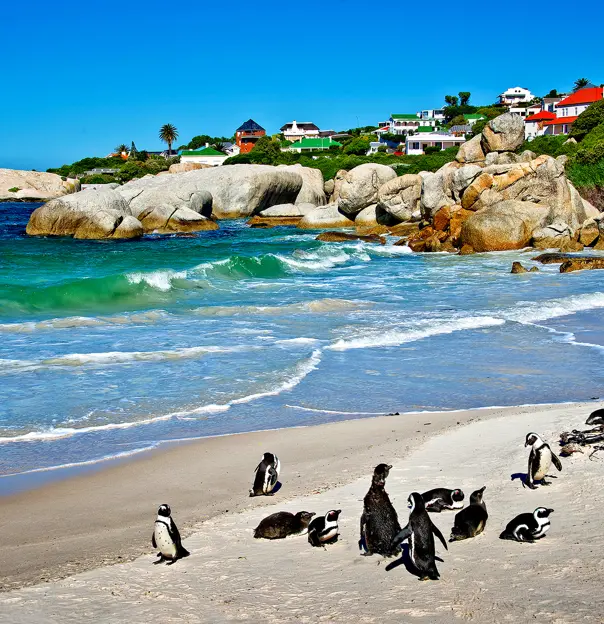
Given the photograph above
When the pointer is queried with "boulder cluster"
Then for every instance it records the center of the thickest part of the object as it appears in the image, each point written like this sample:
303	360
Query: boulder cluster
16	185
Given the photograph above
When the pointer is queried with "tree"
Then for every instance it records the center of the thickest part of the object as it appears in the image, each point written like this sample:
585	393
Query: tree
168	134
266	151
120	149
580	83
552	94
588	120
358	145
451	100
464	97
458	120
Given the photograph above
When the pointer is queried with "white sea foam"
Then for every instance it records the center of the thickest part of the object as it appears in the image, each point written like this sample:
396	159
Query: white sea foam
297	341
336	412
160	280
393	338
316	306
531	312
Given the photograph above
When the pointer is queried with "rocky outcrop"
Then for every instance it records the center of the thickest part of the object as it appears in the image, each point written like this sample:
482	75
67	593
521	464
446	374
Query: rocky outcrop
236	190
183	167
313	186
325	217
358	188
503	226
287	210
17	185
166	220
342	237
471	151
503	134
90	214
580	264
398	200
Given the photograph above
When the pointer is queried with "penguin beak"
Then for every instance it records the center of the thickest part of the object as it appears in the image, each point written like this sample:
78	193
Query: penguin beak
550	511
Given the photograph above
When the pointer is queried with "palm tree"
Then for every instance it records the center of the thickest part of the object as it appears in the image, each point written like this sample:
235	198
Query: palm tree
168	134
120	149
581	83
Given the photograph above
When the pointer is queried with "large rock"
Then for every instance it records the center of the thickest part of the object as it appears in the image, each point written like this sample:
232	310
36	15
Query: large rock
183	167
555	235
580	264
471	151
287	210
325	217
359	187
506	225
166	220
462	178
434	193
503	134
88	214
398	199
313	186
367	218
17	185
237	190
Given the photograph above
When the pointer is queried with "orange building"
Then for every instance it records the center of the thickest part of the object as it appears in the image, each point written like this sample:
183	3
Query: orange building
247	134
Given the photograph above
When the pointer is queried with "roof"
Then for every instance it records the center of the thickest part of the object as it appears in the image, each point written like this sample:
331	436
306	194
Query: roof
541	116
250	126
461	128
383	129
561	120
305	125
405	116
474	116
307	143
425	129
582	96
434	136
206	151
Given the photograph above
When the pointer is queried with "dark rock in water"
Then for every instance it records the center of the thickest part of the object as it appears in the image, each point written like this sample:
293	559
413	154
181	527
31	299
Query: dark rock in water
466	250
340	237
518	268
534	270
557	258
580	264
258	221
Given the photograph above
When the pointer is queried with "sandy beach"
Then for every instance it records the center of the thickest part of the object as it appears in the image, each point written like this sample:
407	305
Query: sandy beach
232	577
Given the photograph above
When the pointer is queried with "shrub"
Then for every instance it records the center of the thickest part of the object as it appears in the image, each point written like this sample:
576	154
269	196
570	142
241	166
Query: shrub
588	120
590	155
586	175
14	189
550	145
97	179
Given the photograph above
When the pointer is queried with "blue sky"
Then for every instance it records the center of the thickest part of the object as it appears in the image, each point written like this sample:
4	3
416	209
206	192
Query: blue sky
79	78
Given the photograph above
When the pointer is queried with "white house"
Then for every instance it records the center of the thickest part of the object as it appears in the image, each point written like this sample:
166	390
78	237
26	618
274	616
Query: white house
525	111
514	95
568	109
404	123
432	114
204	156
534	125
296	130
417	143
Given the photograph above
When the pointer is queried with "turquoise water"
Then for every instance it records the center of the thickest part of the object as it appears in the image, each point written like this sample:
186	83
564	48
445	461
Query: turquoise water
110	348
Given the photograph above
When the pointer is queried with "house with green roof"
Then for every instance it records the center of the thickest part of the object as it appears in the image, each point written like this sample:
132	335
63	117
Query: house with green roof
404	123
205	156
312	145
472	118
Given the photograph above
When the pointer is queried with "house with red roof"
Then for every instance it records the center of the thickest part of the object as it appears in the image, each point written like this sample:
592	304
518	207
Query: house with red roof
568	109
534	125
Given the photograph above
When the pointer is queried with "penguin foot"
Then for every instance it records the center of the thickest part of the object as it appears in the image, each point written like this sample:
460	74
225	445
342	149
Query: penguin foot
160	560
544	482
172	562
531	486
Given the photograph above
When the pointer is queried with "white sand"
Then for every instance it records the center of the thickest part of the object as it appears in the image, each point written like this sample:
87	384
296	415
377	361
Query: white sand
232	577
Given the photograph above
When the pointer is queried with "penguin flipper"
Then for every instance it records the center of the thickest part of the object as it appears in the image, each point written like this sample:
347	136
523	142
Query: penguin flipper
313	538
153	542
401	536
556	461
438	534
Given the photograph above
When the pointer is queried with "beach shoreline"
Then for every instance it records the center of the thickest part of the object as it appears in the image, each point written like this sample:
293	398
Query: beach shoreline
105	517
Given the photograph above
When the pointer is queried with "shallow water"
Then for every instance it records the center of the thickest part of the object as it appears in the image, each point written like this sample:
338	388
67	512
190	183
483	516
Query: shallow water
109	348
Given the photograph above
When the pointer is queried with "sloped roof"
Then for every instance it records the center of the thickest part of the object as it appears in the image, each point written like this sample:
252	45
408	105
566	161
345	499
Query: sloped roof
560	120
410	117
304	125
541	116
582	96
250	126
307	143
206	151
474	116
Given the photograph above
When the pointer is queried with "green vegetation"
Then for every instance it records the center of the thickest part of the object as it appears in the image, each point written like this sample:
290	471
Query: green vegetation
168	134
551	145
14	189
120	148
581	83
358	145
588	120
201	139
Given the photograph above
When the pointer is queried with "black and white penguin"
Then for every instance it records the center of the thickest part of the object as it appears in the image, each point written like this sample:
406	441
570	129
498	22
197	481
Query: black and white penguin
528	527
441	498
379	522
283	524
540	460
420	532
324	530
596	418
166	537
267	473
470	522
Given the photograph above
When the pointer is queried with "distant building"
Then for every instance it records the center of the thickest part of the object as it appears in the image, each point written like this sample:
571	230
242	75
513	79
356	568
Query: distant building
568	109
294	131
312	145
534	125
472	118
416	144
432	114
515	95
549	103
230	149
247	134
461	129
204	156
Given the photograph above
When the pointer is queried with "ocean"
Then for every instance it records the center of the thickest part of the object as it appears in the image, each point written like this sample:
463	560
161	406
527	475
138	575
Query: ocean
108	349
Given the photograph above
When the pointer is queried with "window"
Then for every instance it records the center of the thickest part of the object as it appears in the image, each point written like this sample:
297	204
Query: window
415	145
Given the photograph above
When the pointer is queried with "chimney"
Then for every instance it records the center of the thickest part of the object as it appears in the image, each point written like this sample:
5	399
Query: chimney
207	145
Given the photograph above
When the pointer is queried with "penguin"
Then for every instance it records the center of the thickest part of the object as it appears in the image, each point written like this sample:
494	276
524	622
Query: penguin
470	522
324	530
420	532
379	522
283	524
540	460
267	473
167	538
528	527
440	498
596	418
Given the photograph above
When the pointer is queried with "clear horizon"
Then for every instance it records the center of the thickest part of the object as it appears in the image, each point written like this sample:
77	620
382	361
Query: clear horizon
92	82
